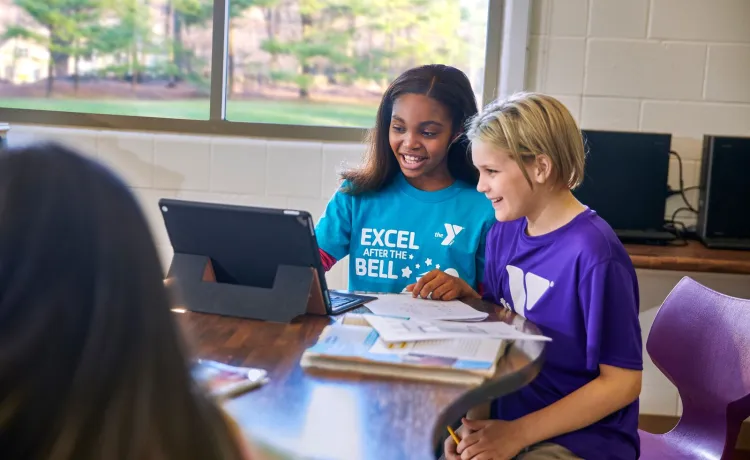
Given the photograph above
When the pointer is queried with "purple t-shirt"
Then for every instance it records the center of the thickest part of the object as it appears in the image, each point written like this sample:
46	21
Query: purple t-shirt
578	285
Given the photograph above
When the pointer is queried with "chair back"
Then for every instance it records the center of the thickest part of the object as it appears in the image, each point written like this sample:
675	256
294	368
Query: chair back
700	340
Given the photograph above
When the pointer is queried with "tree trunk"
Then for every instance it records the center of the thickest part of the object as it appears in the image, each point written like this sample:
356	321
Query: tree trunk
50	75
304	91
177	51
134	66
50	66
61	64
392	60
76	77
269	14
167	33
370	46
61	58
409	39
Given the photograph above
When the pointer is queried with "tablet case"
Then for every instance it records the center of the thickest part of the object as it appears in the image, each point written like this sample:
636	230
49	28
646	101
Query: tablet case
296	291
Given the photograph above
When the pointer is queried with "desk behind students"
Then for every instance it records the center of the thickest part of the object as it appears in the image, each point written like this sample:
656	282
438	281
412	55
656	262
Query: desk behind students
337	415
692	257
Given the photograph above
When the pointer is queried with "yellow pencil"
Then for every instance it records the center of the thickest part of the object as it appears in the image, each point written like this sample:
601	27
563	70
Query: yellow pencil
453	435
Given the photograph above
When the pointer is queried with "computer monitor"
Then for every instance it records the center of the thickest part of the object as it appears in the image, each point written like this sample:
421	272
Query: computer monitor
723	218
625	182
246	245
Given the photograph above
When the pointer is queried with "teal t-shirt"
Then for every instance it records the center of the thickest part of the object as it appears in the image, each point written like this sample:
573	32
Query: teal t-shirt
396	235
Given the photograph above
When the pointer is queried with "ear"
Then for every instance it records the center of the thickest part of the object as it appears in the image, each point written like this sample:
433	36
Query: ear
542	169
455	137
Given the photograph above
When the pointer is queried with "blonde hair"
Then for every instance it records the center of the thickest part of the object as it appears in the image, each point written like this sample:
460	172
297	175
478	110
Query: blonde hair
531	124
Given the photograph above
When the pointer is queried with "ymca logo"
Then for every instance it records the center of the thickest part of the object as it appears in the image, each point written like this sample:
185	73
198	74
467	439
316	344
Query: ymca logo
526	289
452	231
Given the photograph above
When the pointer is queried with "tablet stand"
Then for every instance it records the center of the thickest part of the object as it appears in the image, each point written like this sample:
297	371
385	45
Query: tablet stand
296	291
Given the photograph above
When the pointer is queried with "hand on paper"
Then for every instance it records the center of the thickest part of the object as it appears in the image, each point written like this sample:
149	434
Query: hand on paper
439	285
490	440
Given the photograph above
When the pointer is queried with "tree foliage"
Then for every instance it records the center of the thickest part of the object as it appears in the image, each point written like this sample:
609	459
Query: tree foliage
341	42
67	23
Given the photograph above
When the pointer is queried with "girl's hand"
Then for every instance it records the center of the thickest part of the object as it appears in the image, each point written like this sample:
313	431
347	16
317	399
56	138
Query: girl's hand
491	440
441	286
449	446
449	449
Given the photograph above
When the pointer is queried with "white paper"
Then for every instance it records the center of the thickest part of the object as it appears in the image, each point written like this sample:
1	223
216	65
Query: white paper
415	329
406	306
471	349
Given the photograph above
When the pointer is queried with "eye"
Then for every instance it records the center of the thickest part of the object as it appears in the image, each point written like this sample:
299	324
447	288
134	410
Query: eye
398	129
429	134
491	172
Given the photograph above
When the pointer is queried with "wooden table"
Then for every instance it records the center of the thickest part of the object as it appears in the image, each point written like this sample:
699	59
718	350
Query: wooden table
321	414
694	257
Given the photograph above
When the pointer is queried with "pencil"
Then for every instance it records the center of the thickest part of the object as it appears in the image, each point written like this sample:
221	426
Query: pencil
453	435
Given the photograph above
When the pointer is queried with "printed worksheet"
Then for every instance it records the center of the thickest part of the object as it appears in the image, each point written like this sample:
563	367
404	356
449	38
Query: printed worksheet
392	329
406	306
485	350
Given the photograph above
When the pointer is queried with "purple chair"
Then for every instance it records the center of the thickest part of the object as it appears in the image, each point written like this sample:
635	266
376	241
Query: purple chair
700	340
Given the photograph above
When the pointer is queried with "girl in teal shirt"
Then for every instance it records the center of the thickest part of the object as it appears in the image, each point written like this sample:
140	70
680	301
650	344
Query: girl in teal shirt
409	217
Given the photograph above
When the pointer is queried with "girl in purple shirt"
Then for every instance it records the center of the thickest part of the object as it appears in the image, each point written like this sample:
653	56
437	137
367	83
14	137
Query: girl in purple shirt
560	265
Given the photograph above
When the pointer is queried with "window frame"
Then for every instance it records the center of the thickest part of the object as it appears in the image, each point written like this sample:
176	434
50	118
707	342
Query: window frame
505	61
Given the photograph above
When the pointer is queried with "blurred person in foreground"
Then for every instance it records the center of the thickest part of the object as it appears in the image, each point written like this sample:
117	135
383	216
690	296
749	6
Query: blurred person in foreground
92	363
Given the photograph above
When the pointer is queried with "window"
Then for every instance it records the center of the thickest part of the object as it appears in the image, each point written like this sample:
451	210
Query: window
175	65
327	62
124	57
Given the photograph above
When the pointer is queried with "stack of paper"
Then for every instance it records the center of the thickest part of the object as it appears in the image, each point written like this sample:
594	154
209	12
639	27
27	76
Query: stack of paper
415	329
406	306
415	338
465	353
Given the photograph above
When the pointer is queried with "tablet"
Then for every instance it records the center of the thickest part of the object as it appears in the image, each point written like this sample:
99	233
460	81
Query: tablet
246	244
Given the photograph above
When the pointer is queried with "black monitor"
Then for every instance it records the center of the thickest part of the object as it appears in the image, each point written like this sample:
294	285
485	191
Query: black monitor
625	182
723	218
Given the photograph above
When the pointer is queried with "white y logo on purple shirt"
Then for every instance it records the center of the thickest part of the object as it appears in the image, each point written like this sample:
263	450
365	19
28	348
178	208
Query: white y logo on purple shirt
525	294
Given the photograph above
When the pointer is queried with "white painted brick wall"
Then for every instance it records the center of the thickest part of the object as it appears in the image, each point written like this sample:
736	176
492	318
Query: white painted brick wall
679	66
295	168
686	119
609	113
644	69
561	64
618	19
700	20
238	166
182	162
131	154
568	18
728	73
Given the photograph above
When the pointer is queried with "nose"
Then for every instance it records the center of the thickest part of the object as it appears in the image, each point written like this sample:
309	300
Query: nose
482	186
410	141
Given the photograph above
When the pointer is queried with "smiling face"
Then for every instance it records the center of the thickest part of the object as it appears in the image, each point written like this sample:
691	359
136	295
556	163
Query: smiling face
503	182
419	135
